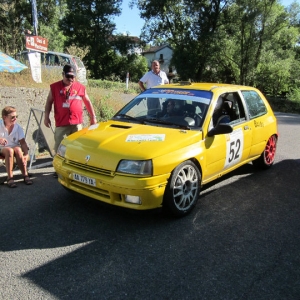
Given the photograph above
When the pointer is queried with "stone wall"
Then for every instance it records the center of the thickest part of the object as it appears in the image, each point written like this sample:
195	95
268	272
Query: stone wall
23	99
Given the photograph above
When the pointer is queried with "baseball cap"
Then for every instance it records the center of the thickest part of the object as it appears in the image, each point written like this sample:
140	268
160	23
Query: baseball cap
68	70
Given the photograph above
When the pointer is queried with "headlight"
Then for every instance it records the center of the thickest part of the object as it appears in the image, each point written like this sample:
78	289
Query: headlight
61	150
136	167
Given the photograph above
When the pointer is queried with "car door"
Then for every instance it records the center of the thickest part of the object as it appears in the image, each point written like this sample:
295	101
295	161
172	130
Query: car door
225	151
257	111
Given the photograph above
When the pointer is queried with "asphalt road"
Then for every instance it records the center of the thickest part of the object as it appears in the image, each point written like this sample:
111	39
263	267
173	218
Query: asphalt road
240	242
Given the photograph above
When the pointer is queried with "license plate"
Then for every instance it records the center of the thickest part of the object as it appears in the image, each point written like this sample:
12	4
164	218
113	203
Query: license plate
84	179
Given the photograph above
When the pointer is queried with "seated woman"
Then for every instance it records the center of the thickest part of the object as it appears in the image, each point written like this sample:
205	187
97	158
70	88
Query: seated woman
13	144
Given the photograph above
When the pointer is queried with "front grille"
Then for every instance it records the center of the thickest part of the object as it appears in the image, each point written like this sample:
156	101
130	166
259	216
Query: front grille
86	167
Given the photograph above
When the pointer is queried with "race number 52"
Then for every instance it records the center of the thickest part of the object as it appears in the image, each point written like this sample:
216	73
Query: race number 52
234	148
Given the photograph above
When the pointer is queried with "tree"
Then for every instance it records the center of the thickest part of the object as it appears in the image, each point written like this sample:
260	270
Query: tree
229	41
189	26
14	18
49	28
88	24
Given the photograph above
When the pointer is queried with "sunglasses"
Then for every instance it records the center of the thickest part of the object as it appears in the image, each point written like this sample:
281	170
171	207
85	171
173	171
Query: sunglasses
13	117
70	76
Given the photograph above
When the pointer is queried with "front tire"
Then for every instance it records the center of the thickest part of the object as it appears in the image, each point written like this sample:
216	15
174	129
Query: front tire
267	158
183	188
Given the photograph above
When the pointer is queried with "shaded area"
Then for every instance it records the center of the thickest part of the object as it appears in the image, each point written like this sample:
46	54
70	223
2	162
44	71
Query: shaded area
241	242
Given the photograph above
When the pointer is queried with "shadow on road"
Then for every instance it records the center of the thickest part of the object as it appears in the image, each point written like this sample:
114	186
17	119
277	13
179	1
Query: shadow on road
240	242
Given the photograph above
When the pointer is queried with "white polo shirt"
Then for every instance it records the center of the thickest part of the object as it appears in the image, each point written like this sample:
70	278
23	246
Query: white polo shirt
151	79
14	137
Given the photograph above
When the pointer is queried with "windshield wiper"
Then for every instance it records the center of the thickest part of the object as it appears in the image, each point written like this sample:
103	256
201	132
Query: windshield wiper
124	116
160	121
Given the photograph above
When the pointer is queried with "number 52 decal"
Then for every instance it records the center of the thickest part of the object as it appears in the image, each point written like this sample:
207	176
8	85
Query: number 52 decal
234	148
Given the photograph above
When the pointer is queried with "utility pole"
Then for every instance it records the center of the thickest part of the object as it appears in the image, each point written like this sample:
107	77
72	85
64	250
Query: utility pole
34	17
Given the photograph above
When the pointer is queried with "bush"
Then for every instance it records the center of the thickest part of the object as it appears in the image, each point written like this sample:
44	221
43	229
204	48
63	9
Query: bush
294	95
284	105
114	86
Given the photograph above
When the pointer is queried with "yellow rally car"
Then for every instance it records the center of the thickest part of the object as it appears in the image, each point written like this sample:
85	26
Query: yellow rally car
162	146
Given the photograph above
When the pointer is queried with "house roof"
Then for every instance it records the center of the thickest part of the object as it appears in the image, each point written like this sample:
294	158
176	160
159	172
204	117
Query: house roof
156	49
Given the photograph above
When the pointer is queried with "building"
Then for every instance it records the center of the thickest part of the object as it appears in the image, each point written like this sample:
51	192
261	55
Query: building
164	55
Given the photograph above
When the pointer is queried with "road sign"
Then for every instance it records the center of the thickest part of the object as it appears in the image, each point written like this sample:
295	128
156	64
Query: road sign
37	43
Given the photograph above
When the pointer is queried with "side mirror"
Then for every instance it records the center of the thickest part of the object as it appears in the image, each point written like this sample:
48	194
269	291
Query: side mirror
220	129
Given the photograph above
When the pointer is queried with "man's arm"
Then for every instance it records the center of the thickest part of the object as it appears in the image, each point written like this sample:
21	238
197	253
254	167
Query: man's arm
141	84
48	107
166	80
89	107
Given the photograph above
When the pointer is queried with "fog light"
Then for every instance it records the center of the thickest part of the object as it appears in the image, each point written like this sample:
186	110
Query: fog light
133	199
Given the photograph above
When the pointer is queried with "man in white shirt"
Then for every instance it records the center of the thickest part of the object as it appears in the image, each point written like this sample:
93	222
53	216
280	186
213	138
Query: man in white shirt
152	78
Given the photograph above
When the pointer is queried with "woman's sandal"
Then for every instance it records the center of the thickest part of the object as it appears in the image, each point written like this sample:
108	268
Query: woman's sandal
11	183
27	180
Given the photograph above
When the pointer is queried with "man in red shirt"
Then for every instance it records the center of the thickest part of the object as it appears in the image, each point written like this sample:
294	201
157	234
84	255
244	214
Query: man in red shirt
67	96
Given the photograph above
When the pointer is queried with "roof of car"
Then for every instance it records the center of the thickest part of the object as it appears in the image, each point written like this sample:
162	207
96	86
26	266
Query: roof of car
208	86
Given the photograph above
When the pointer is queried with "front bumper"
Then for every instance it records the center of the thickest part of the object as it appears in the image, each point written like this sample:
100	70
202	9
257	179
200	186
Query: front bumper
113	189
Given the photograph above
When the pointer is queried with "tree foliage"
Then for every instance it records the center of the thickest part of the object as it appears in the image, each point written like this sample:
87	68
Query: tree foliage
229	41
14	17
89	23
252	42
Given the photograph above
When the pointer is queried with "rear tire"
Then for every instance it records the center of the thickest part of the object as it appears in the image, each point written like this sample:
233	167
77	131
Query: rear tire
267	158
183	188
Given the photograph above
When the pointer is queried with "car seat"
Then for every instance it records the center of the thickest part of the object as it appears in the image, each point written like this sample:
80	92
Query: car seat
190	111
222	109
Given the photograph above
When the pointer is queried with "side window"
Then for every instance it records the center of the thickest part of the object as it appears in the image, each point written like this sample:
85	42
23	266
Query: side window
256	106
229	109
50	59
56	60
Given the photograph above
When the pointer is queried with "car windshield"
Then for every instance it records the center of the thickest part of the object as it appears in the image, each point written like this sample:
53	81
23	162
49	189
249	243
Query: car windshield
167	107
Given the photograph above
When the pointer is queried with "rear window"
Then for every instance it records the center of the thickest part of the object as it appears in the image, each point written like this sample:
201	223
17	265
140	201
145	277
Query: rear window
79	63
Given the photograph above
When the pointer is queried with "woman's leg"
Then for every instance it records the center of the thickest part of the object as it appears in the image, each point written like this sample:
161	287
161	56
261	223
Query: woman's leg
21	162
8	153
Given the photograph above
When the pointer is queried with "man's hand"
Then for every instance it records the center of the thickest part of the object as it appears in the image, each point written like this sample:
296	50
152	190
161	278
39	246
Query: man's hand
3	142
47	122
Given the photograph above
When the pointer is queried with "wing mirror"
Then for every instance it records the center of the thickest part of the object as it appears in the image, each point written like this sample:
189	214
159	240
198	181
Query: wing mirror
220	129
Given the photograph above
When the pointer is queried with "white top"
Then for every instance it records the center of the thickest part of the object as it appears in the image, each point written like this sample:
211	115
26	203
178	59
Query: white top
14	137
151	79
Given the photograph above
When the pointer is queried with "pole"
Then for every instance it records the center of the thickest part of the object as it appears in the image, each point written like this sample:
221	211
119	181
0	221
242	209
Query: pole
34	17
127	80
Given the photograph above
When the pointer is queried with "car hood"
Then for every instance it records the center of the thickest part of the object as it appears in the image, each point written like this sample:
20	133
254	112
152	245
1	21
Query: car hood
106	143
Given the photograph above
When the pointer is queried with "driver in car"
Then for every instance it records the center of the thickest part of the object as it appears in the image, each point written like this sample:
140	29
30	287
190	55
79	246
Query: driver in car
171	111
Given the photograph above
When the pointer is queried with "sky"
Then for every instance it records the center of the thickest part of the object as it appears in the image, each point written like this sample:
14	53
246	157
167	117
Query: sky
130	22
